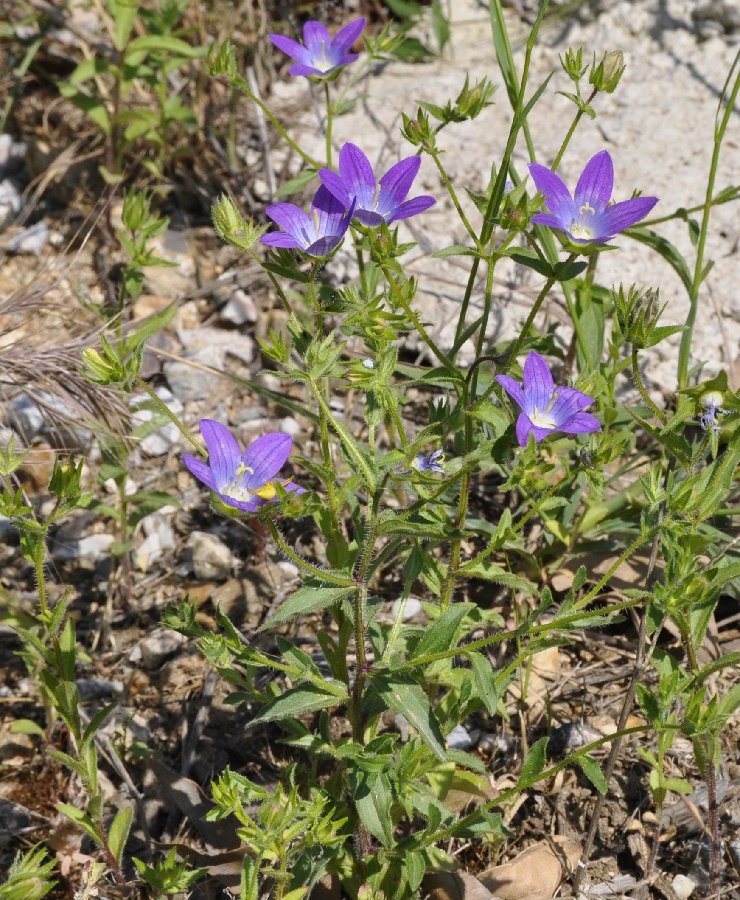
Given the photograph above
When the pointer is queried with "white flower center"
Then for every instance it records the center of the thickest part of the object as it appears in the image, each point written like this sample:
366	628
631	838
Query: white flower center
541	419
580	228
321	62
234	488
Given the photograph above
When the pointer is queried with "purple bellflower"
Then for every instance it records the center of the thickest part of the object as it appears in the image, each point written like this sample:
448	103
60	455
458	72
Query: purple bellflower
244	481
322	54
587	216
317	232
375	201
546	408
429	462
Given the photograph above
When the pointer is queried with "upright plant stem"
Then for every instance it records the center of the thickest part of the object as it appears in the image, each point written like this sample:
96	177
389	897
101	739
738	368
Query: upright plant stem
700	273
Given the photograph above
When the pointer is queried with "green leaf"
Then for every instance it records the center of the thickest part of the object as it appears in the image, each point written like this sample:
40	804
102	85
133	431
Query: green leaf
296	184
403	695
441	635
373	797
306	599
118	834
88	69
297	701
97	720
534	763
665	249
26	726
592	771
457	250
81	820
489	571
159	42
492	415
416	867
484	681
93	108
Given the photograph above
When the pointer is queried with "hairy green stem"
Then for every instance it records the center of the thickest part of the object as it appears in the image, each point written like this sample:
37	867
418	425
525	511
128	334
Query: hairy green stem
637	378
303	564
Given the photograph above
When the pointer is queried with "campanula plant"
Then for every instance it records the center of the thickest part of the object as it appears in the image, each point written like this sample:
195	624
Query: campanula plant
418	477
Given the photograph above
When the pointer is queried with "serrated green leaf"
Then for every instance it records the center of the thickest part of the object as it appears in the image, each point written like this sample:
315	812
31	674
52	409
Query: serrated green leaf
492	415
484	681
373	797
415	869
403	695
309	598
297	701
441	635
97	721
534	763
592	771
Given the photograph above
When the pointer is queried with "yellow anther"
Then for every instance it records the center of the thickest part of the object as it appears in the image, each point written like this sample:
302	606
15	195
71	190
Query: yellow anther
316	219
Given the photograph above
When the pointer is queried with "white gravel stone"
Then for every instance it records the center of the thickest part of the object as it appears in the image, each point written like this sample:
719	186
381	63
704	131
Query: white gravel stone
212	559
683	886
156	647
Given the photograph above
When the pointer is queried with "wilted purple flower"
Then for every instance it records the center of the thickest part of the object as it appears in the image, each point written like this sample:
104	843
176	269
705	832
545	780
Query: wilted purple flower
546	408
712	402
375	201
429	462
322	55
317	232
246	480
587	216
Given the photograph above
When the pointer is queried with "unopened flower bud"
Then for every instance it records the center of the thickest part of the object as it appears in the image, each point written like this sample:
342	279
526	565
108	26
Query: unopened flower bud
572	64
606	75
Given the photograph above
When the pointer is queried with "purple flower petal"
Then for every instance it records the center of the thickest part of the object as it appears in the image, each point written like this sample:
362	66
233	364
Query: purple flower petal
290	218
357	175
594	189
557	196
538	383
325	245
412	208
523	428
290	47
280	239
622	215
512	388
548	219
266	456
569	401
370	219
349	34
334	183
306	69
201	470
396	183
580	423
223	451
314	34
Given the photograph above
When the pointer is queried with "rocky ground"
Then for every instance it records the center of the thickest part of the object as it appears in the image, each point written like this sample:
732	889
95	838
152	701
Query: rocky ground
658	127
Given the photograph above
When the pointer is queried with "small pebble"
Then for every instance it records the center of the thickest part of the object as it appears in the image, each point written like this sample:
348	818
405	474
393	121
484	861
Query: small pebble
683	887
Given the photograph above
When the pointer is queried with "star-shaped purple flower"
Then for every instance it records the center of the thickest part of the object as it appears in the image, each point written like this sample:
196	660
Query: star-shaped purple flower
586	216
322	55
546	408
429	462
316	232
375	201
246	480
